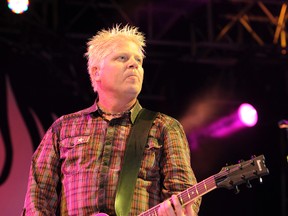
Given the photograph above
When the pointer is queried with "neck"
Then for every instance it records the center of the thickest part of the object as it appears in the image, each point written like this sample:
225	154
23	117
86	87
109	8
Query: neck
115	107
111	115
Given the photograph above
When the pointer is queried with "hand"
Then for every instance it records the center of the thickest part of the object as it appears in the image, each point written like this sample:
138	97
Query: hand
175	209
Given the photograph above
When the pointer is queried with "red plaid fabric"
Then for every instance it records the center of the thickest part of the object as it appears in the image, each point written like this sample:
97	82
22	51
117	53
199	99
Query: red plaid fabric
75	168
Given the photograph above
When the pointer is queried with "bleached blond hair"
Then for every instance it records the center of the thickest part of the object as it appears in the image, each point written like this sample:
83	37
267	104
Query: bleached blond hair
105	40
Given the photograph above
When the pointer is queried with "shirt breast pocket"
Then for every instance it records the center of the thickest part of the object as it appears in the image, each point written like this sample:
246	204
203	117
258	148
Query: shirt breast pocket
74	151
152	153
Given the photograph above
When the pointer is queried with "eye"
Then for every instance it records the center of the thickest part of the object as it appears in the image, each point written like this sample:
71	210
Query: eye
140	60
122	58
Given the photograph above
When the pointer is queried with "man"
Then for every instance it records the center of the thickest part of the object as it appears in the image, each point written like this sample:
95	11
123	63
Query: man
75	169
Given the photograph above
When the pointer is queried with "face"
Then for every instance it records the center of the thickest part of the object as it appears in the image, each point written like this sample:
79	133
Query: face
120	73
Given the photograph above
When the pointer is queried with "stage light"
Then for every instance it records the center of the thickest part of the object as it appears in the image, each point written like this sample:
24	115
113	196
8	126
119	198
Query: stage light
18	6
244	116
236	118
247	114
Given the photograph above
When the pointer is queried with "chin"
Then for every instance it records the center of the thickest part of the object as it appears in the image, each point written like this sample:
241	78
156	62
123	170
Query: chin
133	92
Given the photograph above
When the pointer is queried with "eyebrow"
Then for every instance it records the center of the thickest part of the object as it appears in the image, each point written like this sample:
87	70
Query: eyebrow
126	53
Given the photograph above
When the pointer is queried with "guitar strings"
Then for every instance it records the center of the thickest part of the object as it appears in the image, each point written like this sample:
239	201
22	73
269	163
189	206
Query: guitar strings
199	189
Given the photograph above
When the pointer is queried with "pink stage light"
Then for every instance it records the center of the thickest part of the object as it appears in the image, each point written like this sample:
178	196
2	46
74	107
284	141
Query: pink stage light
243	117
18	6
247	115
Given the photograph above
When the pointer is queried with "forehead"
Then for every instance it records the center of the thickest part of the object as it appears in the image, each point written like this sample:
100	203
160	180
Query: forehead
127	47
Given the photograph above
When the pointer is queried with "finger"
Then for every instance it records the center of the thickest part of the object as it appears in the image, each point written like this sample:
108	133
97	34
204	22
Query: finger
169	210
160	210
177	206
189	210
166	209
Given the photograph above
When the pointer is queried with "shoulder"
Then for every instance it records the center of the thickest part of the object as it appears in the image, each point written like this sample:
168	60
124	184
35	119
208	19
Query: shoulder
164	122
167	120
168	129
73	118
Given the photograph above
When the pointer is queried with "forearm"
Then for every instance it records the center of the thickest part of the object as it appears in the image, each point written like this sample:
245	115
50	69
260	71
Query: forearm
177	171
42	195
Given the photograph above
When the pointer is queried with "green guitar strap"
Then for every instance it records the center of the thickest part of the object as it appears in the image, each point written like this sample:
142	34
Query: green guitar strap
132	161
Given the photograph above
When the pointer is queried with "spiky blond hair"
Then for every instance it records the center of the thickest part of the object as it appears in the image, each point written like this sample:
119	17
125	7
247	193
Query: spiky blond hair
105	40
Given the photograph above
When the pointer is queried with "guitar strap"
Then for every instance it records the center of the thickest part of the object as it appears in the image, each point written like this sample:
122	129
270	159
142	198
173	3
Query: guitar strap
132	161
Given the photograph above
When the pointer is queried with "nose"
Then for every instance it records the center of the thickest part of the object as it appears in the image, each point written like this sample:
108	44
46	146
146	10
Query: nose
133	63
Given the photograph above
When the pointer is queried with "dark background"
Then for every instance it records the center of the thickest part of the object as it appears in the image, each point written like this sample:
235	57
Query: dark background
190	61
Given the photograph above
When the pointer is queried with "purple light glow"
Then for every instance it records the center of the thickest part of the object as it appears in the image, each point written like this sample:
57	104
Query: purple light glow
225	126
247	115
244	116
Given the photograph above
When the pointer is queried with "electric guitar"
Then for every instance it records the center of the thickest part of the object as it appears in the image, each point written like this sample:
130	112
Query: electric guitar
229	177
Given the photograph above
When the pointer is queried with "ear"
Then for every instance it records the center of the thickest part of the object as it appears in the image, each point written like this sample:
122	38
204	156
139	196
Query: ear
95	73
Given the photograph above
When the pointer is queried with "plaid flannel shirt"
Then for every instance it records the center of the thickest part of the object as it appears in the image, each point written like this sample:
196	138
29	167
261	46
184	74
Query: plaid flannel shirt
75	169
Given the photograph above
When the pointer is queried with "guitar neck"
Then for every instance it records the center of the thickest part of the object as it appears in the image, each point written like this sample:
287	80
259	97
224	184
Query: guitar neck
229	177
188	195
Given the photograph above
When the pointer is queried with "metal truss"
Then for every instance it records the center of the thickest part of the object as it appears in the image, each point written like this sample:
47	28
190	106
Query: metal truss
186	32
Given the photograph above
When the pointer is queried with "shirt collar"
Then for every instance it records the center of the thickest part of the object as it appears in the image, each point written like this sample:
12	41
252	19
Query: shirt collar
133	112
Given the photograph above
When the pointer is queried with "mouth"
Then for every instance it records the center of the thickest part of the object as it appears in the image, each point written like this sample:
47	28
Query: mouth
132	78
133	75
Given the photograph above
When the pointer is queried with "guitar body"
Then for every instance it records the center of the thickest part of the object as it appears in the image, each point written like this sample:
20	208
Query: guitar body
229	177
